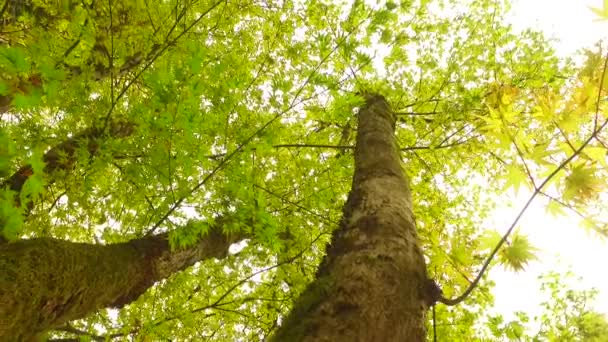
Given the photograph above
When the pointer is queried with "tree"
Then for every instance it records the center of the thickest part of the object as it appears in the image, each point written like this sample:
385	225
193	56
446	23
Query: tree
566	315
140	141
376	247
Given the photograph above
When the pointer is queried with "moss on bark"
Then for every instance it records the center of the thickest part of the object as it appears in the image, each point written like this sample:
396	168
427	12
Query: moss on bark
371	284
46	282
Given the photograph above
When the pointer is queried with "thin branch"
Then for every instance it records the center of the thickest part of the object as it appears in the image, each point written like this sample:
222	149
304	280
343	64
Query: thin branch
158	53
452	134
415	103
523	160
604	145
4	8
564	135
598	229
74	44
57	200
323	218
241	146
70	329
63	155
284	262
438	147
599	95
350	147
218	302
536	192
338	147
418	113
150	17
111	55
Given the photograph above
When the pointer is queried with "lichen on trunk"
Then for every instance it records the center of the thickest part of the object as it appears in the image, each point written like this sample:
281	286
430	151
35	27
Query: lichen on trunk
371	284
46	282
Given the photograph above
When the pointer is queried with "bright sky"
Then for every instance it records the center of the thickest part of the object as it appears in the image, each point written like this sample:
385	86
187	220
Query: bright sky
562	241
570	21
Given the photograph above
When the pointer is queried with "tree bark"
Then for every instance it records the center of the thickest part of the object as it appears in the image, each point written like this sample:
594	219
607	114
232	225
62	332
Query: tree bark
46	282
372	284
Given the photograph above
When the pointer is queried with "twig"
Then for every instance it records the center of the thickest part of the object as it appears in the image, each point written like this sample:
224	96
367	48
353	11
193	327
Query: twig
536	192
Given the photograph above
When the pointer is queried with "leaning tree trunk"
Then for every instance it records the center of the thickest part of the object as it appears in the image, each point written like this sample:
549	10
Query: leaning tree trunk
46	282
372	284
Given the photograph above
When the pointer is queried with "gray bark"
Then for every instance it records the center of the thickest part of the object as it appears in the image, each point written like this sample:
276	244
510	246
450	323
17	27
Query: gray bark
372	284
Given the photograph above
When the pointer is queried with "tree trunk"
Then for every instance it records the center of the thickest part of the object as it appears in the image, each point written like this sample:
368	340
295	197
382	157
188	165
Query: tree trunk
372	284
46	282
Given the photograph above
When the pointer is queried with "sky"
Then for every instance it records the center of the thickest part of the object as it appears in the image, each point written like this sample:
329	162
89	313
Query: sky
563	243
570	21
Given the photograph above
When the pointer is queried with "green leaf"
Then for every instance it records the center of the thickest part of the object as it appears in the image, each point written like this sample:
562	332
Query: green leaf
15	58
37	162
210	99
189	234
582	183
4	88
35	184
518	252
554	208
23	102
515	330
516	177
597	154
7	151
602	13
32	188
11	217
489	239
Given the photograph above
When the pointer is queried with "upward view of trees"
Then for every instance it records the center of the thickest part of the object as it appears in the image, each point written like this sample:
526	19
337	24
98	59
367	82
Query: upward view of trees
195	170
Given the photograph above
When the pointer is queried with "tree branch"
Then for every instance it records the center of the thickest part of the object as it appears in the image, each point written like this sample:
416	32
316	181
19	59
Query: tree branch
47	282
536	192
62	157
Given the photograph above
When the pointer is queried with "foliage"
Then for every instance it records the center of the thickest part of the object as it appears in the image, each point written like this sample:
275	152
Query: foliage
602	13
242	112
516	253
567	315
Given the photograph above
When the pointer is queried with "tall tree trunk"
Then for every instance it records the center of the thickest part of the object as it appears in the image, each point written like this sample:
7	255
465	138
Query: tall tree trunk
46	282
372	284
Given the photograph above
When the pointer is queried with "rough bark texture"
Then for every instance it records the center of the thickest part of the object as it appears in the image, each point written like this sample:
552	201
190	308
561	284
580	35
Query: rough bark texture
372	284
46	282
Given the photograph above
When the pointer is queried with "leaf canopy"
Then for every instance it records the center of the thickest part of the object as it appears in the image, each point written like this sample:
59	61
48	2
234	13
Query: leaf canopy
243	112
